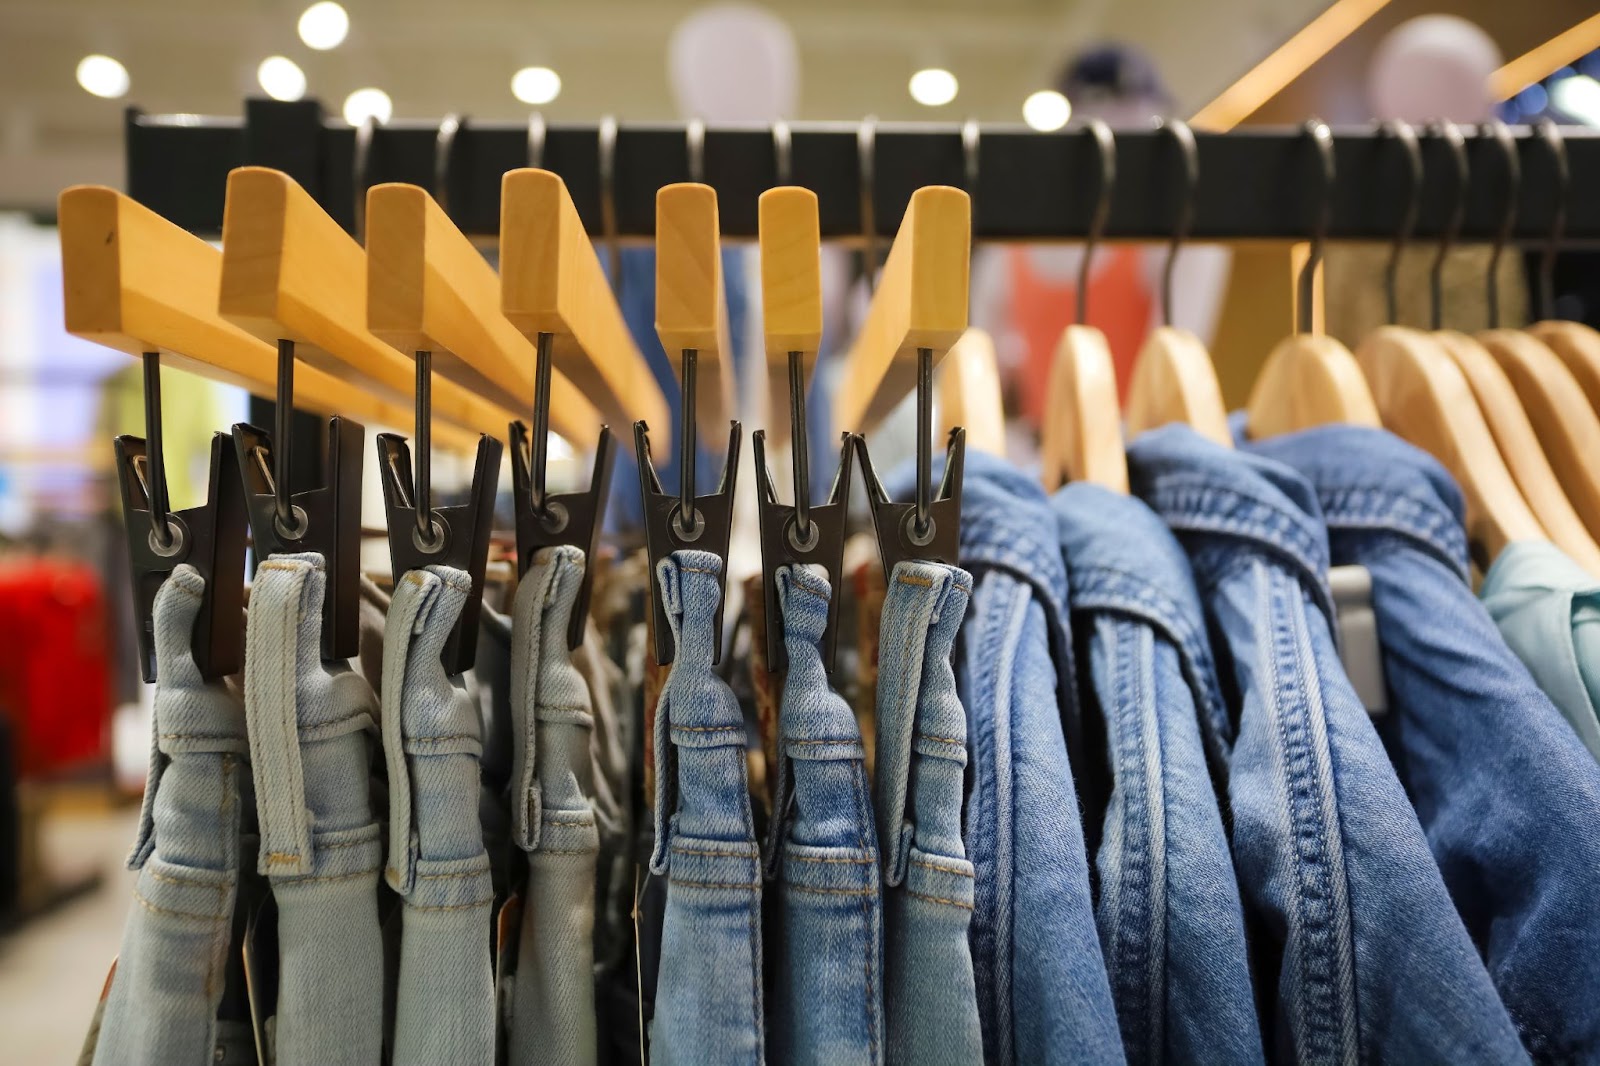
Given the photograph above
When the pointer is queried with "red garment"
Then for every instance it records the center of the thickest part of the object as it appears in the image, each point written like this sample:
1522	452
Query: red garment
54	664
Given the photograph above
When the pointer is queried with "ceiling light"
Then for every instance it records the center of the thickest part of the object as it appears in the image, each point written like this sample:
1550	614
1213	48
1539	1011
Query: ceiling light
536	85
281	79
1046	110
933	87
103	76
1578	96
323	25
368	103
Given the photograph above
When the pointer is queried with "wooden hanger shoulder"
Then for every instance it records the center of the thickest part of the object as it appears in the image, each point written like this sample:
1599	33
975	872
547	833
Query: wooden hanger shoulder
920	303
969	394
791	291
1578	346
1175	381
1309	380
1082	436
690	309
429	289
1519	447
551	281
1424	397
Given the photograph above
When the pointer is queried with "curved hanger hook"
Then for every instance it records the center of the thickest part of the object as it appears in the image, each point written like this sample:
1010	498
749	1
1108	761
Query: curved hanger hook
361	172
1550	134
1404	135
1456	145
1189	156
970	136
1500	133
536	140
444	150
782	152
607	142
1106	150
1322	140
695	135
866	159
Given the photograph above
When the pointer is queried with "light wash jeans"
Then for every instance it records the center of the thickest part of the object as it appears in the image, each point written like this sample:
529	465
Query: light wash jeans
708	1007
930	999
310	742
552	1007
827	958
162	1007
432	741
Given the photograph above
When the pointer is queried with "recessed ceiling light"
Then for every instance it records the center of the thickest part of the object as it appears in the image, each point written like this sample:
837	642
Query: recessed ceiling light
368	103
1046	110
536	85
933	87
323	25
281	78
103	76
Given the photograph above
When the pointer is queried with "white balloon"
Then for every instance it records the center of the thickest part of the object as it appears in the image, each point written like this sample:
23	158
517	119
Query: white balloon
734	62
1433	67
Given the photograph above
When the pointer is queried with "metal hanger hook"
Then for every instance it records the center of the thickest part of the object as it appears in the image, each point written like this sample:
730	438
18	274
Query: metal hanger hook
536	140
1556	144
1106	152
971	136
1321	138
1404	135
606	140
782	152
1500	134
444	147
1456	145
1182	138
866	158
361	174
695	146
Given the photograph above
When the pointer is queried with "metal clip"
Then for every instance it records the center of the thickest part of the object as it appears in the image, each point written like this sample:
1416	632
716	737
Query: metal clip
900	537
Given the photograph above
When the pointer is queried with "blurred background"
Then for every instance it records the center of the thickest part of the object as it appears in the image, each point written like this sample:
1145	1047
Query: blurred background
73	738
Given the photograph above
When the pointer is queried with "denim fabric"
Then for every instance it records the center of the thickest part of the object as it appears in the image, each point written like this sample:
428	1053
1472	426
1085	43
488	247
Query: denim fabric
1170	918
930	997
552	1006
1372	963
1507	793
310	726
708	1005
432	742
827	961
162	1007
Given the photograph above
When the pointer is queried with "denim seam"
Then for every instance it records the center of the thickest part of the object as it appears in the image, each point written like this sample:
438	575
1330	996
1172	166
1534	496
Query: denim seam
964	905
834	892
171	913
924	864
450	906
679	849
752	886
841	862
863	806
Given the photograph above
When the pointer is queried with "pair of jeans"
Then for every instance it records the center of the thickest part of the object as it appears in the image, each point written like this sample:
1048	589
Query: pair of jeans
1506	791
552	1002
432	742
1168	909
827	958
708	1001
1357	933
162	1006
311	725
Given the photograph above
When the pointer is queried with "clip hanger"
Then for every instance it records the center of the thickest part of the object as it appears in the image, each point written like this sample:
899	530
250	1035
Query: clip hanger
690	318
791	297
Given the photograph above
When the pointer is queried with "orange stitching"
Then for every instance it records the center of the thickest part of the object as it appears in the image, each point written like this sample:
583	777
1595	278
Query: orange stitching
959	742
833	891
678	849
752	886
852	862
911	579
942	869
939	899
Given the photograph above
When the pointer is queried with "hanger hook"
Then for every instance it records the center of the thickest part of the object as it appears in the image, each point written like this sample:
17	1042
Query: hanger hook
1456	145
1404	135
1189	156
782	152
1550	134
1322	140
536	140
866	158
361	174
1105	145
1500	133
970	139
607	141
695	139
444	148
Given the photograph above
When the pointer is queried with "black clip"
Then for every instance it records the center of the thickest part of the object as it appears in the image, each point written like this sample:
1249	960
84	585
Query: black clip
325	520
899	537
211	538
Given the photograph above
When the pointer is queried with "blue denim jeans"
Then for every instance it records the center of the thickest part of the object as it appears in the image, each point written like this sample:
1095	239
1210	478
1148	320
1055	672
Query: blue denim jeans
432	742
162	1007
1369	960
708	1006
1506	791
930	997
1169	912
552	1004
827	959
311	725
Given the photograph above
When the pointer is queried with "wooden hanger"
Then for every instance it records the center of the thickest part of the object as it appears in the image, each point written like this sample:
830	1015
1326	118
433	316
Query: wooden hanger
970	396
1311	379
691	313
1578	346
1173	377
551	281
791	297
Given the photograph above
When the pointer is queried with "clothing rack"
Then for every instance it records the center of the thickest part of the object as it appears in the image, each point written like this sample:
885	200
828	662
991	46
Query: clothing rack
1254	183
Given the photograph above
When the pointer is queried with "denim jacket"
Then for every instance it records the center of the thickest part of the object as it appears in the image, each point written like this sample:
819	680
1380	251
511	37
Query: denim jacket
1508	794
1369	959
1171	922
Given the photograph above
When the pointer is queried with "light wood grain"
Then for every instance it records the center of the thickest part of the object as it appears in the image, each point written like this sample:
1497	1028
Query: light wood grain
1519	447
1081	438
1309	380
1578	346
551	281
969	395
921	302
790	235
1424	397
690	309
1174	381
429	289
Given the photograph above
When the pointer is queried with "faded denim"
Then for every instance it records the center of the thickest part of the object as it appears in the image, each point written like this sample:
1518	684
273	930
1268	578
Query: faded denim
1506	791
1367	957
708	1004
827	958
1169	913
162	1007
552	1001
432	742
311	726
